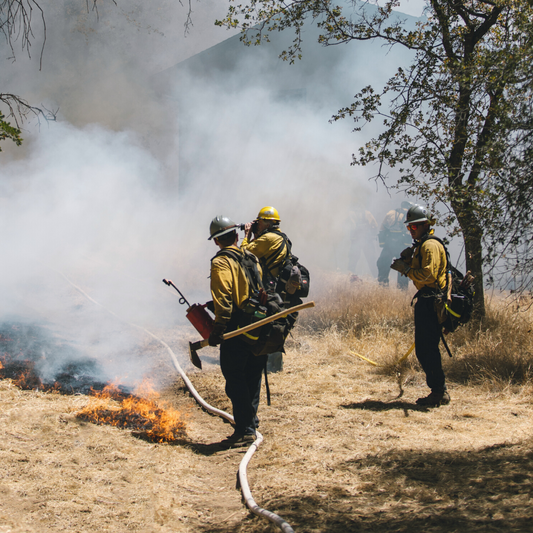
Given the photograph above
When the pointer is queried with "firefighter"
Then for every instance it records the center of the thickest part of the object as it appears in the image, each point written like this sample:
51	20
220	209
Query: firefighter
393	238
240	367
264	239
425	264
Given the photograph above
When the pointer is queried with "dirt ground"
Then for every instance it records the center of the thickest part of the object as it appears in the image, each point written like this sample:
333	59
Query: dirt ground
342	452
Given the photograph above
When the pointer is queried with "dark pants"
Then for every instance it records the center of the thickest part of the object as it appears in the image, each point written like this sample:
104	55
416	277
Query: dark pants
427	339
242	371
384	262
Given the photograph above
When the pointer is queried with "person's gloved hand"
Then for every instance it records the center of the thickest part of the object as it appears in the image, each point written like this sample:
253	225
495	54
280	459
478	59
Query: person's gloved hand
294	281
400	266
407	254
215	337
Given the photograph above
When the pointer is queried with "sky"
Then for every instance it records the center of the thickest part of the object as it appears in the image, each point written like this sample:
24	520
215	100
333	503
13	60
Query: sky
412	7
92	205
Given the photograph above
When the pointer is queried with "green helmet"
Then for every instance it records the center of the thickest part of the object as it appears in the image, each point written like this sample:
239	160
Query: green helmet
416	213
220	226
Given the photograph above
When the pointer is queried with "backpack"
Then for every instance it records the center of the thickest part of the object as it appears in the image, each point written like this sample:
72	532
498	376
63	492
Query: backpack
290	269
459	312
260	304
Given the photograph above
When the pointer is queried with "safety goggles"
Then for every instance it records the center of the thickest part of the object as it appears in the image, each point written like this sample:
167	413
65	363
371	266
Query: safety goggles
414	226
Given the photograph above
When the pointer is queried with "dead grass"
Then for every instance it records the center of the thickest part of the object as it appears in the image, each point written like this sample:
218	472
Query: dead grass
357	308
346	449
378	322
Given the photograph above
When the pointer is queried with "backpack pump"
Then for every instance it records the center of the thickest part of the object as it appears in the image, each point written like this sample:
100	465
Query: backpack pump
290	269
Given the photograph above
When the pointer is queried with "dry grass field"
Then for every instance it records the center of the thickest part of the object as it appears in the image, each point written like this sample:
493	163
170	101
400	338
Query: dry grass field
346	447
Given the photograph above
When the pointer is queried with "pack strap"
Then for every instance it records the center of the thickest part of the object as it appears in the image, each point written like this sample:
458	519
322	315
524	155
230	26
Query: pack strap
451	311
445	343
448	260
426	292
256	283
268	262
266	381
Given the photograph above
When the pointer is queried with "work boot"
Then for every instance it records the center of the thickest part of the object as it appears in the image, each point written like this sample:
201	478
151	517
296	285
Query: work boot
434	399
237	440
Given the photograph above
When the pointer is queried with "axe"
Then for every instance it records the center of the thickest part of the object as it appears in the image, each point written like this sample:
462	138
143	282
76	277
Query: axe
194	346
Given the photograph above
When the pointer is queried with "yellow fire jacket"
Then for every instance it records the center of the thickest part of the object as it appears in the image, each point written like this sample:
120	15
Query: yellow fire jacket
265	247
229	285
392	231
428	265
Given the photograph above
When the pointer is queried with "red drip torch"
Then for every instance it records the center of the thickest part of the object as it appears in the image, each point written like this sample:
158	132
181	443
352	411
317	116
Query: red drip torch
196	314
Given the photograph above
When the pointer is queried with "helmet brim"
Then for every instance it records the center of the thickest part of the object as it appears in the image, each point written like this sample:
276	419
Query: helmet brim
222	232
415	221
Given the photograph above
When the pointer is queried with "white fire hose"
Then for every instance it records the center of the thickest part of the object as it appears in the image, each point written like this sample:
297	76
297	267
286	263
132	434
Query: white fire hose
243	479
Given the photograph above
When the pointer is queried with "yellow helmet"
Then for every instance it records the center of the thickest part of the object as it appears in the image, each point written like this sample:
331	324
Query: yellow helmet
268	213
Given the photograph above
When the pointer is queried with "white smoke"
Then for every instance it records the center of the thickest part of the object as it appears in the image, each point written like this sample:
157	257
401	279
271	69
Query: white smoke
119	193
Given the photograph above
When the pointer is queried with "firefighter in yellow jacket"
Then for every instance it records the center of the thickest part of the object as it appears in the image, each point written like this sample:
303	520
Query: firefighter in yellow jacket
240	367
264	239
425	264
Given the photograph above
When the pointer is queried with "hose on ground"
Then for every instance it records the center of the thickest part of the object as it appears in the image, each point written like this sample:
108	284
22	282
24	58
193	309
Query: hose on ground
242	472
400	360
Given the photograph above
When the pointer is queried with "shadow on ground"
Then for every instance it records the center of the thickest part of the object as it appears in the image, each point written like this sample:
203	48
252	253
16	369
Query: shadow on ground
376	405
483	491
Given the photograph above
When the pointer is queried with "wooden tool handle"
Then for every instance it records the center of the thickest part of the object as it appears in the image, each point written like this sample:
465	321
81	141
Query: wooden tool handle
267	320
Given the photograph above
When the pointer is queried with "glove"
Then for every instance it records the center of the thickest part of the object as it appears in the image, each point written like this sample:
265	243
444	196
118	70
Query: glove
215	337
407	254
401	266
294	280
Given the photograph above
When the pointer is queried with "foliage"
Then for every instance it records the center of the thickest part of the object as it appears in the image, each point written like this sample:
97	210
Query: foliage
7	131
18	20
457	122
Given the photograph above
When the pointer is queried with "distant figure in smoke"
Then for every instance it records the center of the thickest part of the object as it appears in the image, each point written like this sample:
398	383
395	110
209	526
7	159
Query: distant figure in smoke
241	369
363	233
264	239
393	238
425	263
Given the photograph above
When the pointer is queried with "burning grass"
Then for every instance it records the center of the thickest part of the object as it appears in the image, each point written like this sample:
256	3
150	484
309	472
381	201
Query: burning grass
21	350
140	412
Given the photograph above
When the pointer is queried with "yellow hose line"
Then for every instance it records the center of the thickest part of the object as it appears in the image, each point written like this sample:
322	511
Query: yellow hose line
402	358
364	358
406	355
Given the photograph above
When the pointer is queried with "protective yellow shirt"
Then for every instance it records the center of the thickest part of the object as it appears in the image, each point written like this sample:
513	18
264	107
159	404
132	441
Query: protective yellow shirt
229	285
393	227
428	265
265	247
394	221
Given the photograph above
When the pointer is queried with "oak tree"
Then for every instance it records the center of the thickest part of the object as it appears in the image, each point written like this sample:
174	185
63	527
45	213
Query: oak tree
456	123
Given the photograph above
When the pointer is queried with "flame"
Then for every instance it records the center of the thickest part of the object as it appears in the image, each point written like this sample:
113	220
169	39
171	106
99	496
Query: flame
27	379
141	411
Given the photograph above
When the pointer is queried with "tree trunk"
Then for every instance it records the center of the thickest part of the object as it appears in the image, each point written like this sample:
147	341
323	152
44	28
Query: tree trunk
472	234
